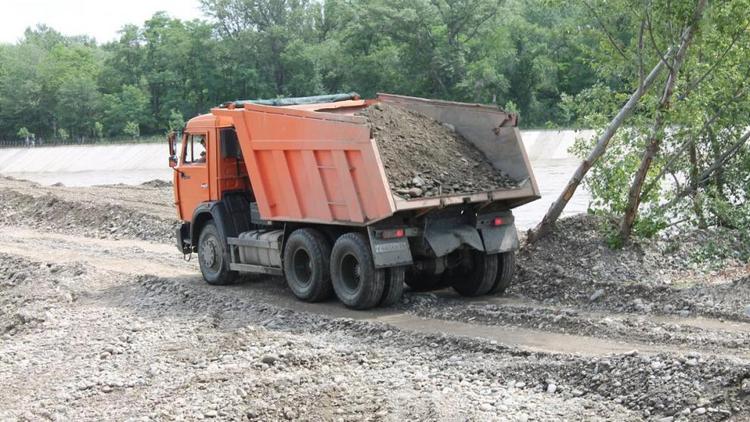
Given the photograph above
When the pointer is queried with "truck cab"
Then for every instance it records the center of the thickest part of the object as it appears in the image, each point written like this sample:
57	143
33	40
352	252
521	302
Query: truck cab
208	162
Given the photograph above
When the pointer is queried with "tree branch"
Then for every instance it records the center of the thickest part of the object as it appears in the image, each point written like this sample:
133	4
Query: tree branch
706	174
653	43
739	93
606	32
710	71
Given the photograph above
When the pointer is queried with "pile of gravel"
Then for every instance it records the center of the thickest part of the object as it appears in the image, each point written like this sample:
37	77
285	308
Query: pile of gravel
28	289
93	220
424	158
157	183
574	265
660	386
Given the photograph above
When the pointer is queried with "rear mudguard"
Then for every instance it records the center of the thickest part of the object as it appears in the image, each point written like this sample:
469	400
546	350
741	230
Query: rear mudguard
447	233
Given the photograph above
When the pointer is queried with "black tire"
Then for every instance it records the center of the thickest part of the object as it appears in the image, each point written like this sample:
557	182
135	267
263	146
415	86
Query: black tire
394	286
505	270
213	257
355	280
307	263
477	276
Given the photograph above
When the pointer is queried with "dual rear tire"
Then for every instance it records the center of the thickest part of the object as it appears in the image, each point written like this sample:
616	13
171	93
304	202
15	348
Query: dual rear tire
314	271
478	274
356	281
483	274
307	265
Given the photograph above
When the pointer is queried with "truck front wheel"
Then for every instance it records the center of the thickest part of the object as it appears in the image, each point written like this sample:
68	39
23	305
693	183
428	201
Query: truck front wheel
212	257
477	274
307	265
356	281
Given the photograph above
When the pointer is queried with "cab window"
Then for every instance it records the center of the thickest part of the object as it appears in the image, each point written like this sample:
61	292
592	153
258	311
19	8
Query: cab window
230	146
195	149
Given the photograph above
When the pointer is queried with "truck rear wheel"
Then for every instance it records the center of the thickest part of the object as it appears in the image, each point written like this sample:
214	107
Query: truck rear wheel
394	286
356	281
505	270
476	276
212	257
307	262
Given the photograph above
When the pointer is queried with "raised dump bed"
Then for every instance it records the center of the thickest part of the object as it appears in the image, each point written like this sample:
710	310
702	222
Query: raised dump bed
353	196
319	163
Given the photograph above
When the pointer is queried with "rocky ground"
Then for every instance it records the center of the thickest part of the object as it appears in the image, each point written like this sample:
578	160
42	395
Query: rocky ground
424	158
100	317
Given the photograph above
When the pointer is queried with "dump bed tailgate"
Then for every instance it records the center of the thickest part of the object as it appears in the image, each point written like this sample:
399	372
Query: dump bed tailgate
489	129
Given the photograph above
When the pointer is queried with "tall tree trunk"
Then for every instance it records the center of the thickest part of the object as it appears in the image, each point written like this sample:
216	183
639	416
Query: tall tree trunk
657	129
557	207
697	203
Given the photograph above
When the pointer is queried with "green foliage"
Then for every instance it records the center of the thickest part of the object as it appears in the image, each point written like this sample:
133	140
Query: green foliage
706	119
131	105
132	129
176	121
24	133
98	130
525	53
63	134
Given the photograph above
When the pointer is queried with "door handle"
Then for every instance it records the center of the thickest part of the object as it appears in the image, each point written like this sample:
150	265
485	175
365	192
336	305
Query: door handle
184	176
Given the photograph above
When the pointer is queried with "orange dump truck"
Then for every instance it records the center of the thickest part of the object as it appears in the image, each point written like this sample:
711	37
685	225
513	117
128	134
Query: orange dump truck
297	188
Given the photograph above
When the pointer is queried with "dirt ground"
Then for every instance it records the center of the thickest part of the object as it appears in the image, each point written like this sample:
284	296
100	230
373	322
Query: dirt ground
424	158
101	318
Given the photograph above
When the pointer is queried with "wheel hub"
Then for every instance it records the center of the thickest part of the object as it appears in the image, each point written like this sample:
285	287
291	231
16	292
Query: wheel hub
209	253
303	266
351	272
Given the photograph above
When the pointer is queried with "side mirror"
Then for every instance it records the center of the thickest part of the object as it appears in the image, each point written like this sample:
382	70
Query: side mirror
172	140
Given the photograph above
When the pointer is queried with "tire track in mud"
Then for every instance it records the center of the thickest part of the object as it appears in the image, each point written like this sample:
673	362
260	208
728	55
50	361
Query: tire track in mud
697	332
458	318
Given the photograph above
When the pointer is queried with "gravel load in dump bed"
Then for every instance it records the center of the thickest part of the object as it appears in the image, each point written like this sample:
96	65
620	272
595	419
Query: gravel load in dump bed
424	158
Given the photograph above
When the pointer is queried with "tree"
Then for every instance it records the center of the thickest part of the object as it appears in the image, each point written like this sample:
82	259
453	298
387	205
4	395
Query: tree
131	129
98	130
557	207
679	132
657	132
63	134
129	106
176	121
25	134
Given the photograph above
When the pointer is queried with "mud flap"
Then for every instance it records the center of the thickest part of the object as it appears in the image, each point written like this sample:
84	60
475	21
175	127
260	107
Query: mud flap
389	252
500	239
446	240
183	239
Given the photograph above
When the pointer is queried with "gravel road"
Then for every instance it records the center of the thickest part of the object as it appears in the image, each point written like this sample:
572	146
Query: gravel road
101	318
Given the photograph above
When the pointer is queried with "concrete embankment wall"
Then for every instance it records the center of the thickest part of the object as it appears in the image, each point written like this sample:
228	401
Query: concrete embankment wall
87	164
552	144
110	162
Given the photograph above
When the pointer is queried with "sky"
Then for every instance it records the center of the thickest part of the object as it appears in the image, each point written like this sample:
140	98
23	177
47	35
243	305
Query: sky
100	19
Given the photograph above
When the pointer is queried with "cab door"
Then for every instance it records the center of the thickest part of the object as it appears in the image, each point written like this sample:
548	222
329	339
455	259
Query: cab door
191	179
